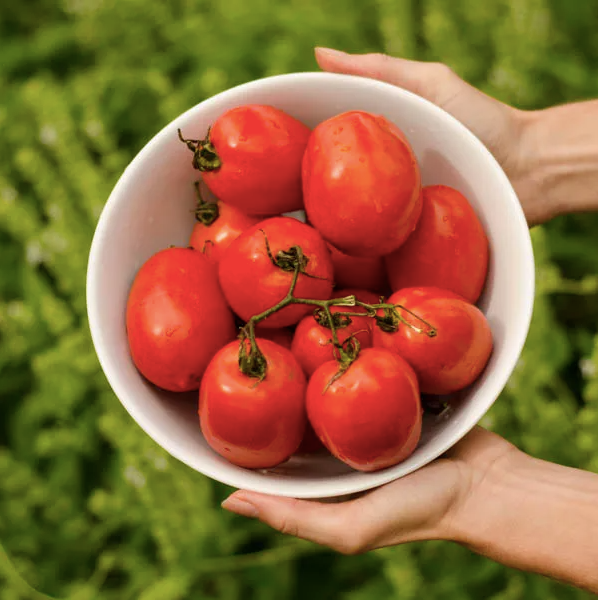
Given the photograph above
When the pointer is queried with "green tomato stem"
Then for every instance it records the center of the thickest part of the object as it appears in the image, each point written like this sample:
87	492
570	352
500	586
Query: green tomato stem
205	212
253	363
205	157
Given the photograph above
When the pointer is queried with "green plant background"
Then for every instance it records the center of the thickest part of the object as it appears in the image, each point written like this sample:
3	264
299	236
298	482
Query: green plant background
89	506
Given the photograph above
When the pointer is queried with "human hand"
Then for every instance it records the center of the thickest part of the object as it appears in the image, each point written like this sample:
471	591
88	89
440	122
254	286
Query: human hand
432	503
502	128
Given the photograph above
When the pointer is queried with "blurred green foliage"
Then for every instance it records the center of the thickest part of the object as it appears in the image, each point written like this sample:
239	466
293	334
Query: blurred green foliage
90	508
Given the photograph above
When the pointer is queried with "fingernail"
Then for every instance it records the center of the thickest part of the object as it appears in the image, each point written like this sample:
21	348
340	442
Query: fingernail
240	507
331	52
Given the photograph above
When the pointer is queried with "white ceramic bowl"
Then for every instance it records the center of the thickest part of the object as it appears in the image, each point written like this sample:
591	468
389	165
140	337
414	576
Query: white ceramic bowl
150	209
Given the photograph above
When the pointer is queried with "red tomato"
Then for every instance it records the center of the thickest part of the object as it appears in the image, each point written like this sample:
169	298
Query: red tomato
456	356
177	318
253	284
213	237
253	424
371	416
312	342
361	184
311	443
283	337
251	159
367	273
448	249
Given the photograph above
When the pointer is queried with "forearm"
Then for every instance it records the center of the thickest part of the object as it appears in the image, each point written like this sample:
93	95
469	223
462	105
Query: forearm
559	161
538	517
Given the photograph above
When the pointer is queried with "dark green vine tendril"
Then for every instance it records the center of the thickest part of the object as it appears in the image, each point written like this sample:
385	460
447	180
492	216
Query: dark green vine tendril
388	321
205	157
252	361
391	318
205	212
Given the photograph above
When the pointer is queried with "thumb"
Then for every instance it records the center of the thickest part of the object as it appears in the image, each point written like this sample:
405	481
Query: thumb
434	81
315	521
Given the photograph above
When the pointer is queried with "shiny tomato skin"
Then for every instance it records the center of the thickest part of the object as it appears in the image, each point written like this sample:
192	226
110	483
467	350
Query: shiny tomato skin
456	356
176	318
253	284
215	238
312	342
253	424
261	149
361	184
448	249
368	273
370	417
282	336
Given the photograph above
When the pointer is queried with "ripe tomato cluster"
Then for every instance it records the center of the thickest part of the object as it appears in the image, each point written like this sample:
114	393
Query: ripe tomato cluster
319	336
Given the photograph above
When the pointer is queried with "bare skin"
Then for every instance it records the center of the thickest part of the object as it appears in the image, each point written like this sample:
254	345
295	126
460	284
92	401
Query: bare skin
484	493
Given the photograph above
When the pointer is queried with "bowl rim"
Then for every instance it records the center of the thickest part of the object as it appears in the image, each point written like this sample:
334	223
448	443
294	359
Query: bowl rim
324	488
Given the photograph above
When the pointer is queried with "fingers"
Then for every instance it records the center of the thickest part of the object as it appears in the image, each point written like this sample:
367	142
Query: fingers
433	81
495	123
332	525
408	509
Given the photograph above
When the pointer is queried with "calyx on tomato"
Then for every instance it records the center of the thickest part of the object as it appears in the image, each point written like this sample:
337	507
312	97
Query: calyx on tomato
339	319
205	212
252	361
205	157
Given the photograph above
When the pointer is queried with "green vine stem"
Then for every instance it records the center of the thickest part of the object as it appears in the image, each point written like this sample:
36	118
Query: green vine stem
252	361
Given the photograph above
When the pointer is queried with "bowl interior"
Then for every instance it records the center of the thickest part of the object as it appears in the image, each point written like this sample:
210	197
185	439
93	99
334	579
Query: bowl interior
150	209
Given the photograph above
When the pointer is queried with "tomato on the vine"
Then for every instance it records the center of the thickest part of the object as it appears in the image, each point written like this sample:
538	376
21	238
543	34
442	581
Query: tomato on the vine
361	184
253	424
446	339
365	296
218	225
257	270
251	159
313	341
370	417
368	273
448	249
177	318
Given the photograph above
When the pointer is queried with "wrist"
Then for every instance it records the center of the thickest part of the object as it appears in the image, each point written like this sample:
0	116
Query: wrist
557	161
531	171
532	515
488	492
